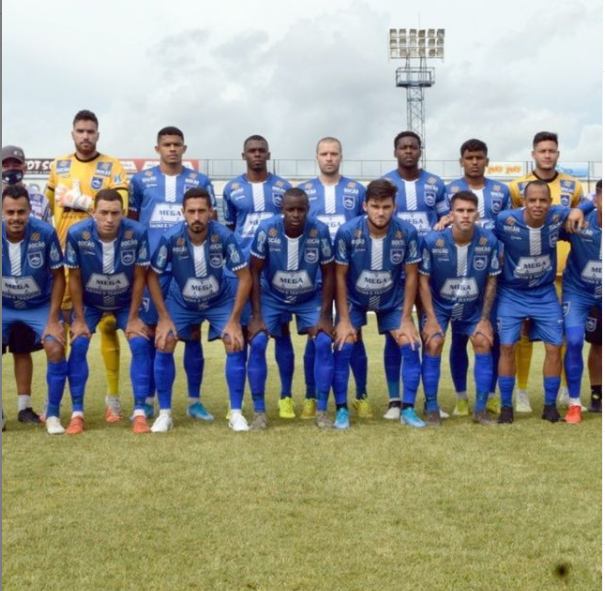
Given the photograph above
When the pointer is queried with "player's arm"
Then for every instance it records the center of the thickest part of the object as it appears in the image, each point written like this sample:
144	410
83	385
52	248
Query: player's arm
327	298
484	326
256	324
78	325
575	216
431	327
408	328
233	329
165	327
344	329
54	328
229	212
135	326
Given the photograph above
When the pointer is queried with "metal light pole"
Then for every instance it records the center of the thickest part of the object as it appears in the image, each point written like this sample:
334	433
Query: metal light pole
416	46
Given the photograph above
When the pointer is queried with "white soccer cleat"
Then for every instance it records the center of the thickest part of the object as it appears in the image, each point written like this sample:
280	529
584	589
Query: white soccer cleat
53	426
392	414
443	414
162	424
238	422
522	402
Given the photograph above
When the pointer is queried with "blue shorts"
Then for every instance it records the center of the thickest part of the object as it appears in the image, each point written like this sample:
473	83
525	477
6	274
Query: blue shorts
93	316
464	325
35	318
576	306
276	313
387	319
541	306
148	312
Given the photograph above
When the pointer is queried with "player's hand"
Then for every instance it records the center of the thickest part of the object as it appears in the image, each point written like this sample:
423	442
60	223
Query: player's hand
54	329
408	333
443	223
233	334
343	333
79	329
136	328
431	329
256	324
575	220
325	324
484	327
69	198
164	330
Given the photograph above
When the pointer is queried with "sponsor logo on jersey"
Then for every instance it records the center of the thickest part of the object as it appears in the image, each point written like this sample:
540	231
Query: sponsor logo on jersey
454	189
351	184
292	282
101	284
86	235
200	288
313	233
308	186
55	255
482	241
510	221
460	289
162	256
440	243
192	175
103	169
432	180
591	273
374	282
533	267
63	167
233	254
35	236
148	173
279	184
326	248
20	287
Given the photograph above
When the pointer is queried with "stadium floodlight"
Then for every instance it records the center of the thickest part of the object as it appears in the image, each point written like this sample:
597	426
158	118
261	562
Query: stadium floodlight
415	46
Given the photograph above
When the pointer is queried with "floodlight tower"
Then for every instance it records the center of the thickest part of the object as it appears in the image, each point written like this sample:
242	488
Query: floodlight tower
416	46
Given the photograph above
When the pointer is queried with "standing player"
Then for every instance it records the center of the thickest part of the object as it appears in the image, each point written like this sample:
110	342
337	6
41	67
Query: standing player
195	254
372	252
582	290
33	283
492	198
421	202
107	257
249	199
334	200
526	290
155	200
73	182
458	284
565	190
289	255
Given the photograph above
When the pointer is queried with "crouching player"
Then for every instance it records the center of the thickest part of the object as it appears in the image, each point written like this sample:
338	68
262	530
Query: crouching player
33	285
372	252
458	284
194	252
526	289
107	257
582	289
289	254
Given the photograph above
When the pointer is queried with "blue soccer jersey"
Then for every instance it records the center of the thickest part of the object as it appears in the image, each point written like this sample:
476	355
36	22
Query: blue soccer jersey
583	270
493	198
421	202
458	274
246	205
374	277
199	280
107	268
530	255
26	266
292	265
158	198
334	204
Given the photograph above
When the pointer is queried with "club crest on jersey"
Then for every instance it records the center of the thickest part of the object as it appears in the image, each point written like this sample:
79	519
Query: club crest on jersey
35	259
348	202
277	199
565	200
480	263
429	199
396	256
311	255
552	239
127	257
96	183
128	234
591	324
55	255
216	261
496	204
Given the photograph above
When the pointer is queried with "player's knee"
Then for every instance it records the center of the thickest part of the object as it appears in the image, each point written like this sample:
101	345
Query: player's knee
553	352
323	345
481	344
138	347
434	345
55	352
507	351
574	337
258	345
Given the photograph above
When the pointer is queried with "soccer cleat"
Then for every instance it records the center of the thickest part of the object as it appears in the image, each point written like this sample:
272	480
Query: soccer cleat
162	424
139	425
113	414
322	420
342	419
27	415
286	408
506	415
522	402
198	411
443	414
482	418
550	413
149	410
595	403
410	418
363	408
259	422
393	412
309	408
574	415
76	425
53	426
238	422
461	408
433	418
563	397
493	405
228	415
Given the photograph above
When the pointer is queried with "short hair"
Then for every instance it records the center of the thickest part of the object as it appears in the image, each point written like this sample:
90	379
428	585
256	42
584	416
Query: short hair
15	192
381	189
473	145
328	138
536	183
599	184
545	136
465	196
170	130
86	115
255	138
295	192
196	193
108	195
407	134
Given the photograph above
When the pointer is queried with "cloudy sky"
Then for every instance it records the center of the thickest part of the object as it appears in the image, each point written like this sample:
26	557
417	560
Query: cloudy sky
297	70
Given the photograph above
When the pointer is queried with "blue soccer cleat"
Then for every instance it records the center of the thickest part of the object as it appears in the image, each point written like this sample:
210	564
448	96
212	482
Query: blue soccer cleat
342	419
409	417
198	411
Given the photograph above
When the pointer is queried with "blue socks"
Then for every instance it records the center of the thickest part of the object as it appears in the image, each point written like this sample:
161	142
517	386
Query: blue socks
359	367
140	370
78	372
410	373
431	371
483	379
56	375
284	356
392	367
309	366
459	361
165	372
551	389
193	362
574	363
257	370
342	359
507	385
324	369
235	373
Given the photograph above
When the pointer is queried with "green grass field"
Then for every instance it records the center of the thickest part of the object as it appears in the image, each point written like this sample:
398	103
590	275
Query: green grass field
380	507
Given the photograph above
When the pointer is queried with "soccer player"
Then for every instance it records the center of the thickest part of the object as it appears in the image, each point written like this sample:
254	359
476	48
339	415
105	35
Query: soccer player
22	340
73	182
334	200
155	200
526	290
565	190
458	284
195	254
594	336
290	254
492	198
249	199
107	257
372	252
33	283
421	202
582	290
